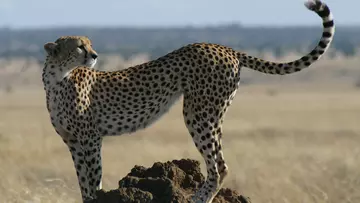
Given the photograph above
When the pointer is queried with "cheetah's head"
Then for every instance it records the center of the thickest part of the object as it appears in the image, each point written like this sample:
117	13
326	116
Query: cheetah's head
72	51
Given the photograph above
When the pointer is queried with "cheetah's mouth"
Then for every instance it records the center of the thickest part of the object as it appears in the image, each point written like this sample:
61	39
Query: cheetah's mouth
90	62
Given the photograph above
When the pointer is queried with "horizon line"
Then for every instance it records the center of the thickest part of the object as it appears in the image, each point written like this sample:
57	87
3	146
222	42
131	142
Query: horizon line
194	26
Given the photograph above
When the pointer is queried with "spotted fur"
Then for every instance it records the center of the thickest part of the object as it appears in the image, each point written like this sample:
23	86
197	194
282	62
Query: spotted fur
87	104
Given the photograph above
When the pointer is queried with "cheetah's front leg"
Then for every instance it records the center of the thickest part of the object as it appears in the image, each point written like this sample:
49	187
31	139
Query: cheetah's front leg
93	160
86	155
78	154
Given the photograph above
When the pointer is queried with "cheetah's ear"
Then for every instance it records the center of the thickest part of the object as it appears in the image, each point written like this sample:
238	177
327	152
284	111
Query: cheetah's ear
51	48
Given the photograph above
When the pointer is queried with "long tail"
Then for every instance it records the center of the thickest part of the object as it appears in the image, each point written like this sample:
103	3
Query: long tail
269	67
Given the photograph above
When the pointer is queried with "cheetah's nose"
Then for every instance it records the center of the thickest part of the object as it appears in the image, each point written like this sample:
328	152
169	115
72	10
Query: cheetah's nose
94	56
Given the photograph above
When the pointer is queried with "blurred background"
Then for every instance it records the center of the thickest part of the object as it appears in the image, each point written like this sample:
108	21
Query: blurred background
287	138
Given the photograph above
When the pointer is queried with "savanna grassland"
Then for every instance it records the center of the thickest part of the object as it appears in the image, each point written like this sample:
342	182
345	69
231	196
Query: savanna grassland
287	139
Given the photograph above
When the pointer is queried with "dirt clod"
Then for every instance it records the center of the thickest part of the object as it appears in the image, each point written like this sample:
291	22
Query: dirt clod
169	182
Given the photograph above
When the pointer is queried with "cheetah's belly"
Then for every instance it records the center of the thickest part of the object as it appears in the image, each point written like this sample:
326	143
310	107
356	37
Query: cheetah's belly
125	118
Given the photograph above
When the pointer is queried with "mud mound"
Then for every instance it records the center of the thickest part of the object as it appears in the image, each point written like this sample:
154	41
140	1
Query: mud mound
170	182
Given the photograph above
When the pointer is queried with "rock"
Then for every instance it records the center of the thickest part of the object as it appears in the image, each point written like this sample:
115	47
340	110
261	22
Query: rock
169	182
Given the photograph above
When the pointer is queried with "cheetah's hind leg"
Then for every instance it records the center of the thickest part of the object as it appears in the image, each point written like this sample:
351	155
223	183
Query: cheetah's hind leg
205	128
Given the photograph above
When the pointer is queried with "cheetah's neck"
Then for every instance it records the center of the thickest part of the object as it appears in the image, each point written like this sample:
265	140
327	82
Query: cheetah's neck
53	74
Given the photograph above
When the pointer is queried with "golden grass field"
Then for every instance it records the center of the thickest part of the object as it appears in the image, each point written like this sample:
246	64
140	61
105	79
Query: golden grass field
300	143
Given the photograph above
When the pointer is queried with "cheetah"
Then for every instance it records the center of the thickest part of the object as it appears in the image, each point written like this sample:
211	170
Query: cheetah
85	104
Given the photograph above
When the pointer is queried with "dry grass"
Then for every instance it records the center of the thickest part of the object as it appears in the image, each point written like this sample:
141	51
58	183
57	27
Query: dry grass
295	143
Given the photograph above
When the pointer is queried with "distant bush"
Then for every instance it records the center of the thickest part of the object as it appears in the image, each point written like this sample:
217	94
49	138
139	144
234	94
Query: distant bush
357	83
271	92
8	89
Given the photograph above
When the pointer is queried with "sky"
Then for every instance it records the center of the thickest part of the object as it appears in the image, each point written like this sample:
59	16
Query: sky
139	13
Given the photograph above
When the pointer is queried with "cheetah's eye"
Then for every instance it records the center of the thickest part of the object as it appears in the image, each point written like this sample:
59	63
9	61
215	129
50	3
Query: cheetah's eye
81	47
